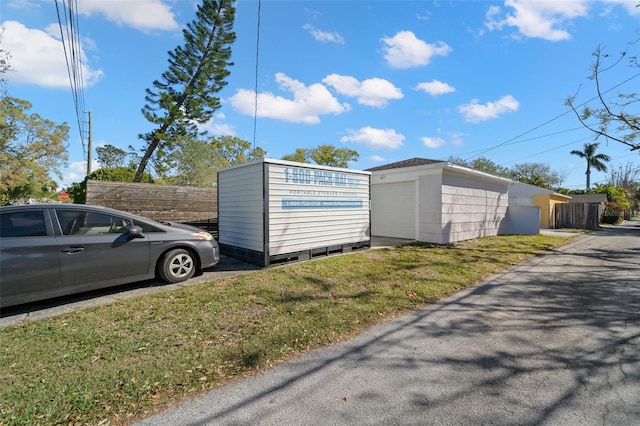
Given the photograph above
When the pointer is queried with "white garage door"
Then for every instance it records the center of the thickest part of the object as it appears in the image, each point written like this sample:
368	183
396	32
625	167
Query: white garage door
393	207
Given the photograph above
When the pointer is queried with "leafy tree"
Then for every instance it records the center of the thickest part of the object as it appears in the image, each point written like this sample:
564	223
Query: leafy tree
614	121
483	164
324	155
110	156
5	65
78	190
195	161
597	161
488	166
300	155
232	150
627	177
537	174
329	155
618	199
182	99
32	149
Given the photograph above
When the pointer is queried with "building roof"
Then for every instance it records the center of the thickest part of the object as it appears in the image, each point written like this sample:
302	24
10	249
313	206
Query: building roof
405	163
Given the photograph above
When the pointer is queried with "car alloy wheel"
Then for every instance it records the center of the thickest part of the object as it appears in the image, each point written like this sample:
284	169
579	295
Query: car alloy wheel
177	265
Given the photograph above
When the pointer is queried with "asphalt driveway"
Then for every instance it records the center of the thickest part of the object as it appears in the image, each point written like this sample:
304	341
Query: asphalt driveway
555	340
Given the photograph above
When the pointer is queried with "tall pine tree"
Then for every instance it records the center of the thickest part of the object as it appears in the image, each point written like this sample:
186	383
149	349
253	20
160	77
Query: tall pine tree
183	97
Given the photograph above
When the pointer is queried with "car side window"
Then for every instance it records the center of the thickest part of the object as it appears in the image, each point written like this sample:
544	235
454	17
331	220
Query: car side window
22	224
80	222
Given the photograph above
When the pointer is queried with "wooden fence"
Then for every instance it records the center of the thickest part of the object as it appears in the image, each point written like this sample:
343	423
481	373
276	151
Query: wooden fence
184	204
579	215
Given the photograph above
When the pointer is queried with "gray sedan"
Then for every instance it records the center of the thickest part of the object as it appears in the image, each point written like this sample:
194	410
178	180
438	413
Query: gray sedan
54	250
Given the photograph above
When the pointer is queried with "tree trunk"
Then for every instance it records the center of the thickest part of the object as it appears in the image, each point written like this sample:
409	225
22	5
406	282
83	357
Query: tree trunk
145	159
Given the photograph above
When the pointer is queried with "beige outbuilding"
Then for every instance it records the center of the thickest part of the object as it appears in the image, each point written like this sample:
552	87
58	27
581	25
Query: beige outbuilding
436	201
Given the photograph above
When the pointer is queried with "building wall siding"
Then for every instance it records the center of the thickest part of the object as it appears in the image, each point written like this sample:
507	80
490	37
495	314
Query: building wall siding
472	208
430	208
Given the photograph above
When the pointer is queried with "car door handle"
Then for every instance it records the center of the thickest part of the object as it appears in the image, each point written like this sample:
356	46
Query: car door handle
73	250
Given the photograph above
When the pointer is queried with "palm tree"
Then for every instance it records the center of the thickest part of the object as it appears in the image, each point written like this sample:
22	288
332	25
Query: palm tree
597	161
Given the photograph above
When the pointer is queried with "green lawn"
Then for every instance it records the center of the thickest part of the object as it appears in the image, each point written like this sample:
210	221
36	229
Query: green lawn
116	363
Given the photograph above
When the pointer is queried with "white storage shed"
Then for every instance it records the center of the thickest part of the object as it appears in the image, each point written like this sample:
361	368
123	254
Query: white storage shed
436	201
272	211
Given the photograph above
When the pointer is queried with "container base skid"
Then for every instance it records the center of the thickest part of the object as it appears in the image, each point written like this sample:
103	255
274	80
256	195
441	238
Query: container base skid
262	259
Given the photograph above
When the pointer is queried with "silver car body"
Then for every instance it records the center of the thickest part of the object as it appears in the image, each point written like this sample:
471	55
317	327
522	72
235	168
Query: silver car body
53	250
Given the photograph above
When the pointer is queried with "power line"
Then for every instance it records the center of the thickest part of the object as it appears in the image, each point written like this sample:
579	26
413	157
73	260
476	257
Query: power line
70	36
551	149
514	139
255	106
534	138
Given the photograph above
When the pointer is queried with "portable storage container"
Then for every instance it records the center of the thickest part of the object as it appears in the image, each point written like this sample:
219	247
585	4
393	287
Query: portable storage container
273	211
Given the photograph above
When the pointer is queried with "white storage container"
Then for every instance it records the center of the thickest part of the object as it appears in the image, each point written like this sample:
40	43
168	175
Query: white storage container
273	211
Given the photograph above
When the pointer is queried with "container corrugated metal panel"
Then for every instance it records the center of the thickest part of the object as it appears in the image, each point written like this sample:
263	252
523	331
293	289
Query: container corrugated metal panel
241	207
312	207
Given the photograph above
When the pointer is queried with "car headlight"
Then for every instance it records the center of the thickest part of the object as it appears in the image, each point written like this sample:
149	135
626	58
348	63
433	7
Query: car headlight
202	235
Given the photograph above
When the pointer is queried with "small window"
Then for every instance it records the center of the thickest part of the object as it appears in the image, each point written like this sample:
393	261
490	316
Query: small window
23	224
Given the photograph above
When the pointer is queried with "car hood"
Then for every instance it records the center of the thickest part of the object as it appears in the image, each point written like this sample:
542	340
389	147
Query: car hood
183	226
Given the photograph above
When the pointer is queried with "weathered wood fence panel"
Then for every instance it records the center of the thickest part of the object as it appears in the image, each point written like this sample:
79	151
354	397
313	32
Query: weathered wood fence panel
578	215
160	202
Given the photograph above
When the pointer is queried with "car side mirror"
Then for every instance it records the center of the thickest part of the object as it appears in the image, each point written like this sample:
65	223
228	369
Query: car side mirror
136	232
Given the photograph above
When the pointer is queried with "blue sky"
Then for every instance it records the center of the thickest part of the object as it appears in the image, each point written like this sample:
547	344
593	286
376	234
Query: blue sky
390	79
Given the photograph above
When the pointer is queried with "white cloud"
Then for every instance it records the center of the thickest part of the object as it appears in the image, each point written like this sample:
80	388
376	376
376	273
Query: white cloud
475	112
548	20
217	127
456	138
376	158
432	142
69	178
143	15
77	171
23	4
38	58
308	103
78	166
424	16
374	92
405	50
375	138
324	36
631	6
436	88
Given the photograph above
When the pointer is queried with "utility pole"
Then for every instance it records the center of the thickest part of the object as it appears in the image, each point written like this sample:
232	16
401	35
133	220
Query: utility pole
89	147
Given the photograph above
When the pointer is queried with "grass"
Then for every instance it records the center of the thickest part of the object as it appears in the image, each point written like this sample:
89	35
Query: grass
120	362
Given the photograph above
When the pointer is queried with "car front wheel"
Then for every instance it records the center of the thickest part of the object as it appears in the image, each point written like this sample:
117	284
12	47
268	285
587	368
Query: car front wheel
177	265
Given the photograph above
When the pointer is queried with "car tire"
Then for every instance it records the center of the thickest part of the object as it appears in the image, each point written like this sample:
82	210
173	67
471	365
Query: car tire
177	265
